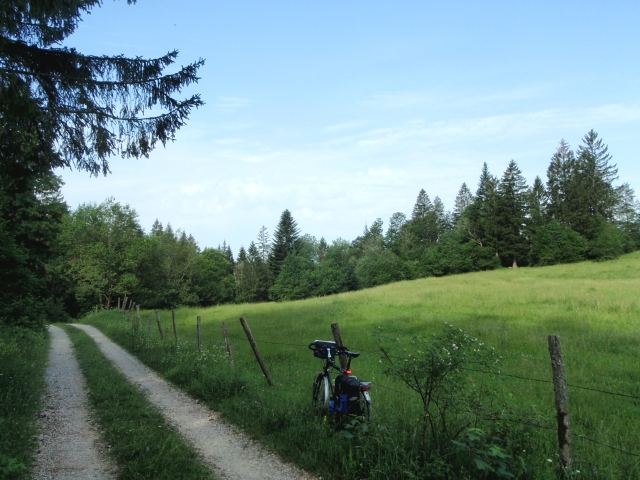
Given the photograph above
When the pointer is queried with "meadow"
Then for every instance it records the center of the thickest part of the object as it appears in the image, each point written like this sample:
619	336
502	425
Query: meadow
593	307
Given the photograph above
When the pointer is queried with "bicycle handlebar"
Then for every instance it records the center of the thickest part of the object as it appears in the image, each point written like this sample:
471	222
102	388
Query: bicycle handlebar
323	345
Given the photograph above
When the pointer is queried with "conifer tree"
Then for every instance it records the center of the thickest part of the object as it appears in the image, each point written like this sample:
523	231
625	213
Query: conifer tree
284	242
323	247
481	225
83	108
511	211
597	198
462	201
424	220
536	205
562	185
264	246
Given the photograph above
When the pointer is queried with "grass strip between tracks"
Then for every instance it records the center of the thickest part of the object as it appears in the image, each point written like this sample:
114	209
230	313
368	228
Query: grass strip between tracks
143	444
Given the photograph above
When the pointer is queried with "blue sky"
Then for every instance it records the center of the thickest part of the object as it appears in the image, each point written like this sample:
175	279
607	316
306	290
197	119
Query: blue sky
342	111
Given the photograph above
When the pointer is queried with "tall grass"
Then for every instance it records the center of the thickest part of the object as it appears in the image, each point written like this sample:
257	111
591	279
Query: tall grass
23	357
594	307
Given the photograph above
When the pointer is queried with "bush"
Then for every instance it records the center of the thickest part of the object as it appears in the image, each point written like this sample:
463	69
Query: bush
555	243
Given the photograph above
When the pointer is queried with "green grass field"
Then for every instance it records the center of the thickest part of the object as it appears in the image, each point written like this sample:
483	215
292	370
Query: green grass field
594	307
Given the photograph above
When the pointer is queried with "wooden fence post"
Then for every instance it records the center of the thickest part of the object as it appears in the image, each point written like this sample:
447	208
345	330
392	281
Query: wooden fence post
124	304
149	324
254	346
562	402
159	326
335	328
226	342
118	303
173	319
138	315
199	335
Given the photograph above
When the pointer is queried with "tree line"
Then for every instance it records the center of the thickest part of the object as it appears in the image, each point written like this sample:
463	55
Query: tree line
101	252
576	214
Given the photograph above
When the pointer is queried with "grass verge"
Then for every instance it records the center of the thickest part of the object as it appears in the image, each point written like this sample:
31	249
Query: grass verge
141	441
23	360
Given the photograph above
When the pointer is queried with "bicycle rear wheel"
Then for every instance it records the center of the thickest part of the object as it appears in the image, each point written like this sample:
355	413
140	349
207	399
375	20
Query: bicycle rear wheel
321	392
365	406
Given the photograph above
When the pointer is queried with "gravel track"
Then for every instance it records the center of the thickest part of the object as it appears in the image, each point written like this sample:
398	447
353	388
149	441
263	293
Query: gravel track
69	445
231	454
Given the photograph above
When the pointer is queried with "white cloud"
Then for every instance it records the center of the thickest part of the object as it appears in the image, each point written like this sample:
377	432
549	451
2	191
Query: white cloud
343	126
232	103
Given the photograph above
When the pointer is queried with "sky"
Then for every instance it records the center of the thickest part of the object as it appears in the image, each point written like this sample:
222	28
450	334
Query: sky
342	111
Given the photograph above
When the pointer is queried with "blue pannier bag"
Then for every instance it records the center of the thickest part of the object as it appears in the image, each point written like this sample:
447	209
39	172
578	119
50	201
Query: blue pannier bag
348	391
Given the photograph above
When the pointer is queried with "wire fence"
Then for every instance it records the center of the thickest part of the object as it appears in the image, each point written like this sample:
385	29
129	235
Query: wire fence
408	394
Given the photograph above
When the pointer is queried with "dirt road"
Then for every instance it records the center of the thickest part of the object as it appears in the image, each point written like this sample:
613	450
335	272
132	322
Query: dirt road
228	452
69	444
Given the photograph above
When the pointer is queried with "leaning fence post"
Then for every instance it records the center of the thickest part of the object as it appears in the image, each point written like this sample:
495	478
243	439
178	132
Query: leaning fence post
226	342
335	328
199	335
254	346
159	326
173	319
562	402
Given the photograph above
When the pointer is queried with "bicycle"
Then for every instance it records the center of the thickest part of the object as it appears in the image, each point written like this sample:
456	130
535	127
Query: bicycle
349	396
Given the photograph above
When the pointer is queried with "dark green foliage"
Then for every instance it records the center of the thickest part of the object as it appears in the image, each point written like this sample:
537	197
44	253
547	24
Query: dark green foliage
284	242
86	107
23	358
103	244
252	276
31	209
555	243
510	216
479	220
335	273
453	255
464	198
212	280
609	242
627	216
379	267
61	108
296	280
562	185
144	445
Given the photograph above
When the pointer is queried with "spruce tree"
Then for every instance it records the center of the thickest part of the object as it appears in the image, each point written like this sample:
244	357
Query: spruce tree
597	198
284	242
562	185
322	249
264	246
424	220
536	206
462	201
83	108
481	225
511	211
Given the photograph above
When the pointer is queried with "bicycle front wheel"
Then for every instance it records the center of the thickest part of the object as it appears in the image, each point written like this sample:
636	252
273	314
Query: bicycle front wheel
321	392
